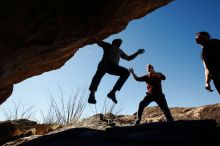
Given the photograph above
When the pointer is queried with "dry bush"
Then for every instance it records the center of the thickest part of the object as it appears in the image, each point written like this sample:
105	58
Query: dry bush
18	111
65	112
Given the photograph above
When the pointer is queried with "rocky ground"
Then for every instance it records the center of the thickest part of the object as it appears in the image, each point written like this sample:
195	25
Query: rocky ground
195	122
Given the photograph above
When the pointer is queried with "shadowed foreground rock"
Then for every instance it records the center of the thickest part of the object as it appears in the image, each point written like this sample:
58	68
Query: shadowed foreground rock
191	124
37	36
16	129
181	133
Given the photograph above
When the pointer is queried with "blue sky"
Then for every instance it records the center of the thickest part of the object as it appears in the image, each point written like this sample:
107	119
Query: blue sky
167	35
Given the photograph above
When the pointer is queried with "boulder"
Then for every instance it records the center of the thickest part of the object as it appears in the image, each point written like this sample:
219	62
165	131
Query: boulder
8	131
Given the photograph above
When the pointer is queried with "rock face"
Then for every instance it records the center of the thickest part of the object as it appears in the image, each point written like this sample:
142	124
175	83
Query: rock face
41	35
154	114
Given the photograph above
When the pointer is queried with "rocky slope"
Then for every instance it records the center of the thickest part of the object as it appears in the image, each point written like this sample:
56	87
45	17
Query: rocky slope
37	36
197	124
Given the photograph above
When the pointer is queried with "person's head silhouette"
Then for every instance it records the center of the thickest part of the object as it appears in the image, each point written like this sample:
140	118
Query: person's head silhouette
150	68
202	37
117	42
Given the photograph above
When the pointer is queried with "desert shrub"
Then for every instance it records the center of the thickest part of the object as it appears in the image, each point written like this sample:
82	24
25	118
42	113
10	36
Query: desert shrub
67	111
18	111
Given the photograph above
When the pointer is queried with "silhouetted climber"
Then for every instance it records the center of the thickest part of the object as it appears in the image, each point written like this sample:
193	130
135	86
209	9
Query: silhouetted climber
211	59
110	64
153	80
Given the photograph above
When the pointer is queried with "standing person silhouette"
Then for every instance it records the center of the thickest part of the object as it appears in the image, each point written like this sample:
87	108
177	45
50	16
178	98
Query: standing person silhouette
211	59
110	64
153	80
